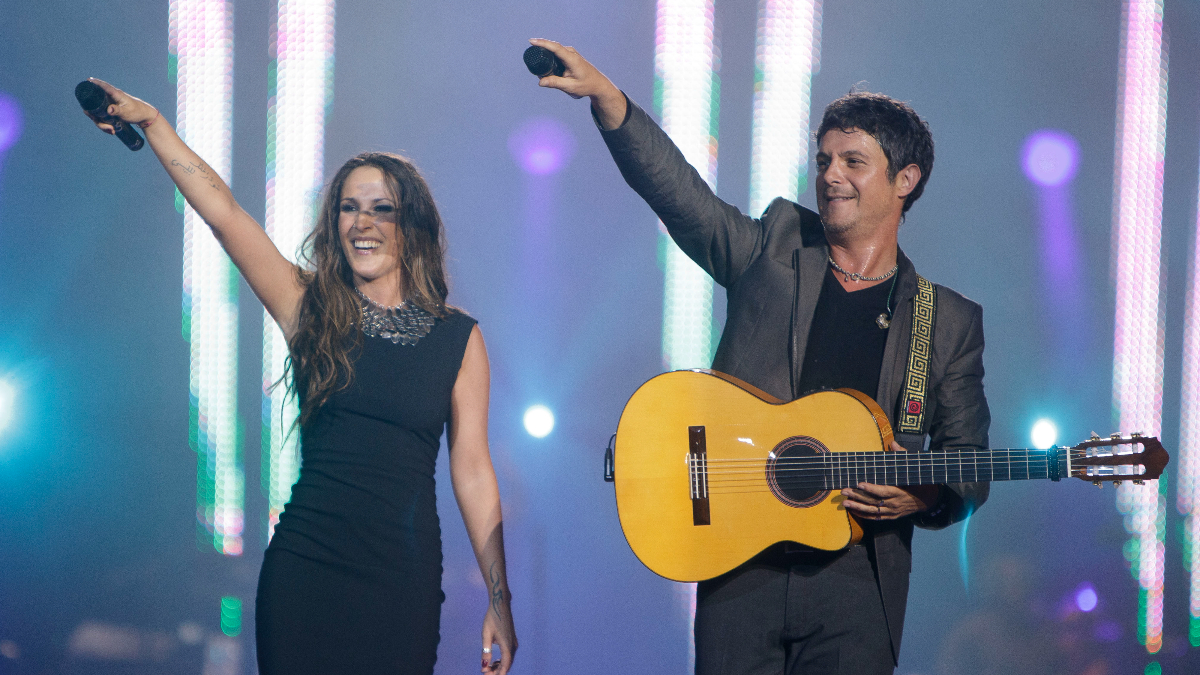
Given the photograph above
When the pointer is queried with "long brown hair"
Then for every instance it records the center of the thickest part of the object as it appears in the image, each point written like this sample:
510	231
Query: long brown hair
330	311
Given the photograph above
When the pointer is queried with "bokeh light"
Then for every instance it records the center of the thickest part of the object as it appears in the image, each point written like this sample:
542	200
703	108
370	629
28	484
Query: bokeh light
542	146
10	121
1044	434
1050	157
539	421
1085	597
8	403
231	615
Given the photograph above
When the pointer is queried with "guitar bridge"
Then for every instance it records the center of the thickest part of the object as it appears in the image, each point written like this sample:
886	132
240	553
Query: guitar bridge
698	475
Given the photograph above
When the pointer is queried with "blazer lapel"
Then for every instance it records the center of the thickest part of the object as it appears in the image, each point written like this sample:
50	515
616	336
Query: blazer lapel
810	263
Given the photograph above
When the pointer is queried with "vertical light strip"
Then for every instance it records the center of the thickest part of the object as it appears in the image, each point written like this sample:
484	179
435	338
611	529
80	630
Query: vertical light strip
201	44
1188	490
300	81
787	55
1138	339
685	65
687	94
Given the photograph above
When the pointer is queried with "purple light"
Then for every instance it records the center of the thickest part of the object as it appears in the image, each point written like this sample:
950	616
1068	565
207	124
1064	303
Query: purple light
1050	157
542	146
10	121
1085	597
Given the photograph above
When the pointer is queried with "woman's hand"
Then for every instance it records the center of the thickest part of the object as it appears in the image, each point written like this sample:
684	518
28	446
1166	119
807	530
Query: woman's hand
498	629
128	109
583	79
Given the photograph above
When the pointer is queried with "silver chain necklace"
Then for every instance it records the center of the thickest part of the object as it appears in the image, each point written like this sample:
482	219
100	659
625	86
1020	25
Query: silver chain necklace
402	324
855	276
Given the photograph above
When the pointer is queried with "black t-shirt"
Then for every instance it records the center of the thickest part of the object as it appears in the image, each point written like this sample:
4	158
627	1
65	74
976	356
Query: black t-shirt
845	343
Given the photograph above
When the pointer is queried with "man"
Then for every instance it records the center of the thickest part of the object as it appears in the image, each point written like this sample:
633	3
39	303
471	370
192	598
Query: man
819	302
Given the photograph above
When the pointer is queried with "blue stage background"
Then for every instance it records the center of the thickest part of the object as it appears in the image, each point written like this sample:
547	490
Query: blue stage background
98	484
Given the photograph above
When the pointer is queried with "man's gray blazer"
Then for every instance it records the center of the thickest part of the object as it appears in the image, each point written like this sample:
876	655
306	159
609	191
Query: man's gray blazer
772	269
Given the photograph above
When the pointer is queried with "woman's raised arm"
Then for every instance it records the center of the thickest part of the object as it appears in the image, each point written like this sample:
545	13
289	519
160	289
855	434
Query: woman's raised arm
272	278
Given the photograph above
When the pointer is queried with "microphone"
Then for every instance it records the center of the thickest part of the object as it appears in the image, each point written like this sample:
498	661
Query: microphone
95	102
542	62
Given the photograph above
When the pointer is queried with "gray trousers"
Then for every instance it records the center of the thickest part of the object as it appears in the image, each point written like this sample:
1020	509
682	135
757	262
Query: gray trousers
817	614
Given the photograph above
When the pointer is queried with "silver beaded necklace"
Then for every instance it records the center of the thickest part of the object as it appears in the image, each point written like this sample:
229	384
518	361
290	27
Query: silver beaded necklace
402	324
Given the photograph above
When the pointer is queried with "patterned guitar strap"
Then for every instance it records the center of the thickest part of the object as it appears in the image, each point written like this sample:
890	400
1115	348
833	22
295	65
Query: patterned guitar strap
916	377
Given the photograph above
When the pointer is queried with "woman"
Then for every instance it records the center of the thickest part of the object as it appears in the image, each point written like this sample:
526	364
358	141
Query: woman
351	581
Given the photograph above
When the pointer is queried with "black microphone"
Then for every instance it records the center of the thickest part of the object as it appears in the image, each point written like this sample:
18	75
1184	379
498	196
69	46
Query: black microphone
542	62
95	102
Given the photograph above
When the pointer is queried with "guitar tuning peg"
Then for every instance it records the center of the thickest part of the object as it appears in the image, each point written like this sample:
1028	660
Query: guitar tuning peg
1139	482
1116	483
1136	434
1098	484
1114	436
1095	436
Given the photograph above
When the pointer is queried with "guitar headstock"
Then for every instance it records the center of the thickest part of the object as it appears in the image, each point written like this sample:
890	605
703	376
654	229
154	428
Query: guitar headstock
1118	458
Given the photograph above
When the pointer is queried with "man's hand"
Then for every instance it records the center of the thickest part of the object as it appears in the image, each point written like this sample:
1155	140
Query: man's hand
887	502
583	79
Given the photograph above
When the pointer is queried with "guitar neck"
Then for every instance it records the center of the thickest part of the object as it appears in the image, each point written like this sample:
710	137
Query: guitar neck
965	465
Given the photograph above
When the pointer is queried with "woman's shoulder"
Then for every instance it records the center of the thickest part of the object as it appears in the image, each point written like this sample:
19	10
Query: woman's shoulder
459	316
458	322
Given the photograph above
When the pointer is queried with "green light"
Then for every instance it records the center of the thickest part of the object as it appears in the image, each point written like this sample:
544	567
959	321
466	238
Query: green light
1194	631
1142	597
1130	549
231	615
1153	668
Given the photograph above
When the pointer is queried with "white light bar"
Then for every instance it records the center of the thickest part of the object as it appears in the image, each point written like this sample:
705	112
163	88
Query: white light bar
1138	339
301	81
684	67
201	46
787	55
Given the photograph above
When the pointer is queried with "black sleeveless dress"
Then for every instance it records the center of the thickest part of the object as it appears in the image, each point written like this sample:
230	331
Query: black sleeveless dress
351	582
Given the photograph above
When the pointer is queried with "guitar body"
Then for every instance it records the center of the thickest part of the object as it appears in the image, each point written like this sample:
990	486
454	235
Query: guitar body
656	470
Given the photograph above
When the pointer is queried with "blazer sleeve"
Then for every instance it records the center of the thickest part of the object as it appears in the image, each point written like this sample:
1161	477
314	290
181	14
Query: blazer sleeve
962	421
719	238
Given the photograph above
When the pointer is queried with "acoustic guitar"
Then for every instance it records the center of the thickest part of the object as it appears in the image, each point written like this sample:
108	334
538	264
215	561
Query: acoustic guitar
709	471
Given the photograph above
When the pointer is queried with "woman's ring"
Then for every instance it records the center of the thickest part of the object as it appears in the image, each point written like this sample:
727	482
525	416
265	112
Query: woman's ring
487	650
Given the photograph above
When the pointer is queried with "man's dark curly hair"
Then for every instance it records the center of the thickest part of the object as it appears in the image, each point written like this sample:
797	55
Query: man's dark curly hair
904	137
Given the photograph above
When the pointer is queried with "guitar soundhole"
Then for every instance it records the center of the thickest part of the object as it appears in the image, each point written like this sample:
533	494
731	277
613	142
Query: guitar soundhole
793	473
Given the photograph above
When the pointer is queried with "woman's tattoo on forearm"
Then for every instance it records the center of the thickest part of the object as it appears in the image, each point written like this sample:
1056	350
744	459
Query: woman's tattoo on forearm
497	590
192	168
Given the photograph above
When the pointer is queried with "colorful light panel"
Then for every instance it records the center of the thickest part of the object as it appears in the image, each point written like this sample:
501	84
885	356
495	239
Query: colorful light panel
686	95
1138	339
1188	490
201	62
301	84
787	55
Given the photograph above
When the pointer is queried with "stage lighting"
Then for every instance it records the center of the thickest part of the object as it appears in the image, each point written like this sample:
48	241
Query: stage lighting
8	401
1050	157
1044	434
10	122
542	146
539	421
231	615
1085	598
